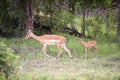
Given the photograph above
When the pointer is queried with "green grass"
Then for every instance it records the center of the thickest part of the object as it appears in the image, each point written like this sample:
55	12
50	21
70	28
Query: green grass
75	69
34	67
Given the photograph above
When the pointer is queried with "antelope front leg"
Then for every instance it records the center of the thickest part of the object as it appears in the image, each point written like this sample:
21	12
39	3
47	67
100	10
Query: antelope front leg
44	51
65	48
60	51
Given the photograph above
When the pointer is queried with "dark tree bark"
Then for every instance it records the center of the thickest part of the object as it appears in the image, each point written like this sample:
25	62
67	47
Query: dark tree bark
29	15
83	22
118	28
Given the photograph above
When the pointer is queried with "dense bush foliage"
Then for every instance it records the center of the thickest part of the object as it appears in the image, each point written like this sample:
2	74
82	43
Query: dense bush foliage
62	19
8	60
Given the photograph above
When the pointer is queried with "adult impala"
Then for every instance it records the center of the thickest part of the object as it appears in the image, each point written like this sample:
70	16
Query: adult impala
88	46
49	40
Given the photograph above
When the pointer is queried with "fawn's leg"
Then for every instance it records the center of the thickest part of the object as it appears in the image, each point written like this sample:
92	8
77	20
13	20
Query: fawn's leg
85	53
90	52
95	51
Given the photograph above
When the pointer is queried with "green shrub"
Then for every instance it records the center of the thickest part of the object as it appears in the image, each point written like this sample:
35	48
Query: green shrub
8	61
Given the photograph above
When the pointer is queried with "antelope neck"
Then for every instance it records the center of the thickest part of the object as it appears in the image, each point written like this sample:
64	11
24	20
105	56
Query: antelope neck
36	37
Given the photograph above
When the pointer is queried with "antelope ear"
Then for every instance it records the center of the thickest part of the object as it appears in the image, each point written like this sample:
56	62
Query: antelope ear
29	30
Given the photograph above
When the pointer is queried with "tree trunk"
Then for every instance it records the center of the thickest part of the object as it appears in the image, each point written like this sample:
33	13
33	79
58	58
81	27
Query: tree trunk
107	22
83	22
118	28
29	15
72	22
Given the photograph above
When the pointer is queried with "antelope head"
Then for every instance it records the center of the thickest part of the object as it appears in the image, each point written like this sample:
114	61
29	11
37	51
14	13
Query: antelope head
28	34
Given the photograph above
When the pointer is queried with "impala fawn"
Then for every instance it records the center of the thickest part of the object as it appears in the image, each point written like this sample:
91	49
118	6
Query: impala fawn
50	40
88	46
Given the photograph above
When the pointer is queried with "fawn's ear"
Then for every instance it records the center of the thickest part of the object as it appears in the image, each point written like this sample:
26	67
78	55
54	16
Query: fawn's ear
80	39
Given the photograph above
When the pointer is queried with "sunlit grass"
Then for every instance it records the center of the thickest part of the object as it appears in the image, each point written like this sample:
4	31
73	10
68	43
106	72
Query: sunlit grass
75	69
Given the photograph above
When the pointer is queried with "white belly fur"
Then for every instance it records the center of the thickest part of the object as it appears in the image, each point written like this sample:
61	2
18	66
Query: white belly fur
51	42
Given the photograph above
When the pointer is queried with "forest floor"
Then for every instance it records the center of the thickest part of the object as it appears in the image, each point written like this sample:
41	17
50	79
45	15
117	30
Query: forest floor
71	69
33	66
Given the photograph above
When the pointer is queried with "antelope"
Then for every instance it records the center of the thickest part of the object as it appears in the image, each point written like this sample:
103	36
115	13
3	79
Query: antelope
88	46
45	40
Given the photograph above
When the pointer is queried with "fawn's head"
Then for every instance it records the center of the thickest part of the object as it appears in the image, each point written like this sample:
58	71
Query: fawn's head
28	34
80	40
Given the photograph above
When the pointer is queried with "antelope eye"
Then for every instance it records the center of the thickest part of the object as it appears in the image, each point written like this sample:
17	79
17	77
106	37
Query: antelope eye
27	33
